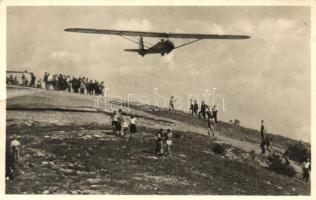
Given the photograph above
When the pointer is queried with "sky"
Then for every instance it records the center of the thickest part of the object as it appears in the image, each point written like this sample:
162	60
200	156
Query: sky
265	77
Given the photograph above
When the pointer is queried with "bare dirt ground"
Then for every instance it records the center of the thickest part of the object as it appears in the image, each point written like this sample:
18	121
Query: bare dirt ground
68	148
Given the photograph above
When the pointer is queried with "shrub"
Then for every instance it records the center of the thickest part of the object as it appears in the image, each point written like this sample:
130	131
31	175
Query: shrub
298	152
279	165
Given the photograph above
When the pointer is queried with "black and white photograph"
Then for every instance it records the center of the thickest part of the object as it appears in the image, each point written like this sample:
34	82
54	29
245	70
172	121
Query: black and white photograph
157	99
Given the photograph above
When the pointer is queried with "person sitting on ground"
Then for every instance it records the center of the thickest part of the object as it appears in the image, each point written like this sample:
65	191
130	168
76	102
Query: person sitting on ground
286	157
268	142
266	145
306	166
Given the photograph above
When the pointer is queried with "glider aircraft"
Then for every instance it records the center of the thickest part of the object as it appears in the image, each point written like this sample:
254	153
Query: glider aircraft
164	46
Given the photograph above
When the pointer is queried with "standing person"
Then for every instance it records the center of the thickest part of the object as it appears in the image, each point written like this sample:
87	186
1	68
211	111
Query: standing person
23	80
90	85
68	83
124	127
214	110
192	107
132	126
120	125
15	147
49	81
46	80
306	166
171	103
159	141
16	81
39	83
114	122
209	112
211	127
82	86
196	107
262	130
33	79
203	110
169	141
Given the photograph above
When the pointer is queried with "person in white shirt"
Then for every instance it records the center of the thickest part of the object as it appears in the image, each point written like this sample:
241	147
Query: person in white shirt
211	127
169	141
132	125
171	103
15	147
306	165
114	119
124	127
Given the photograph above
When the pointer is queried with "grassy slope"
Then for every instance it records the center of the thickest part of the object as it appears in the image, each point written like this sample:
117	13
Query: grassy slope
74	152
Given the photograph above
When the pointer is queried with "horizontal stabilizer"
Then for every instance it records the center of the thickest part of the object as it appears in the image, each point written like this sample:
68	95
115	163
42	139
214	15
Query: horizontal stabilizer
134	50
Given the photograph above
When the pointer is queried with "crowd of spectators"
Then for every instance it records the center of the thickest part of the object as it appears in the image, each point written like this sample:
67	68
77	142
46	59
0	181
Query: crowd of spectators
82	85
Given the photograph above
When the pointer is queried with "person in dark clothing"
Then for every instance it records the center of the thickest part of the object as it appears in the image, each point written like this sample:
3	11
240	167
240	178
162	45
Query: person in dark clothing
263	147
262	130
214	110
195	108
45	79
203	110
159	141
9	163
266	144
75	84
192	107
24	81
209	112
33	79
